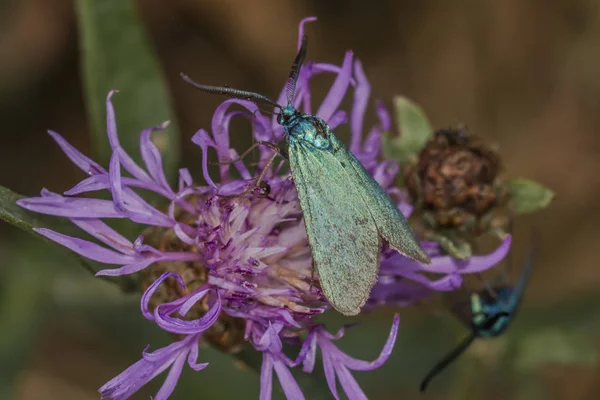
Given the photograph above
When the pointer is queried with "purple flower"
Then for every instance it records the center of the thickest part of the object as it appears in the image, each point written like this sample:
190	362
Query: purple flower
274	359
338	364
174	355
237	270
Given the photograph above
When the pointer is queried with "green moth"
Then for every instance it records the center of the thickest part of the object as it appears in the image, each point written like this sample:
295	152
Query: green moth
346	213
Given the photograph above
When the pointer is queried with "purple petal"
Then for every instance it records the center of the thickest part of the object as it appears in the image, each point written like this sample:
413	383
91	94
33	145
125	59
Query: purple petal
138	210
220	129
87	249
400	265
266	377
111	124
179	326
152	288
203	140
446	284
152	157
288	383
102	182
47	193
111	129
131	166
239	165
115	182
308	352
193	299
262	128
372	144
349	384
338	118
301	29
232	188
447	264
275	345
338	89
169	384
319	68
91	184
359	106
385	120
185	178
124	385
385	173
360	365
106	234
269	341
399	294
71	207
193	358
127	269
329	369
84	163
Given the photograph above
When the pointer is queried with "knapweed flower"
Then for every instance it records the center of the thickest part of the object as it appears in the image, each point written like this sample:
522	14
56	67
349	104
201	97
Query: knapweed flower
235	270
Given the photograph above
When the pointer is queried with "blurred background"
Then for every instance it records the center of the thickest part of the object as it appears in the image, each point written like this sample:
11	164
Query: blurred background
524	74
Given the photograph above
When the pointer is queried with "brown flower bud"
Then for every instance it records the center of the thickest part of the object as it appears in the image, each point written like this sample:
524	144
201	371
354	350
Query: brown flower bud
455	179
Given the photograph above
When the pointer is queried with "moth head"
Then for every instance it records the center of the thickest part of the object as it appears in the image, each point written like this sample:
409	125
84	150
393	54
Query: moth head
286	114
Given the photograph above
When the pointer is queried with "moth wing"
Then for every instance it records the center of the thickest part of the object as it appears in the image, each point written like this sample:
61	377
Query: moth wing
341	232
391	224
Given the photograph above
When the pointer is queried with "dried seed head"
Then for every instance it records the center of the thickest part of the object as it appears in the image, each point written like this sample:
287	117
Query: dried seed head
456	179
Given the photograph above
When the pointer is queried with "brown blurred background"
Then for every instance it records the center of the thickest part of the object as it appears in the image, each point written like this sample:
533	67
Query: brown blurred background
524	74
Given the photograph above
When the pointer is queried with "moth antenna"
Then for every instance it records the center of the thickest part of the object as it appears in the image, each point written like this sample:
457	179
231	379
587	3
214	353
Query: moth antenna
230	92
448	358
290	86
509	258
519	286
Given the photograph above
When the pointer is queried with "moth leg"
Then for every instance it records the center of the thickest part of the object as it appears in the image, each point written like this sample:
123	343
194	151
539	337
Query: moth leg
258	179
247	152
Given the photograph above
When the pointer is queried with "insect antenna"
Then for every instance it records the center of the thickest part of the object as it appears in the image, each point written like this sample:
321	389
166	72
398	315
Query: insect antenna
448	358
265	111
519	286
290	86
230	92
507	271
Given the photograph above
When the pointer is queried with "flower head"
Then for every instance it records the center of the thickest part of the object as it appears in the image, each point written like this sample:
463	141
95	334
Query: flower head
233	269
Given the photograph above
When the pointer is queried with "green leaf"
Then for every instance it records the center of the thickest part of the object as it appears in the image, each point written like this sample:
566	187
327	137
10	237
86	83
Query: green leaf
527	196
414	129
26	220
24	307
116	55
556	346
21	311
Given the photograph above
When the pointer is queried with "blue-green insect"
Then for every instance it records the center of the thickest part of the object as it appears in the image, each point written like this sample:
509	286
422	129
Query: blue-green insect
486	314
346	213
